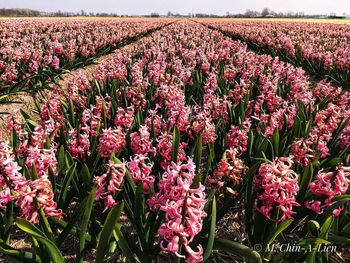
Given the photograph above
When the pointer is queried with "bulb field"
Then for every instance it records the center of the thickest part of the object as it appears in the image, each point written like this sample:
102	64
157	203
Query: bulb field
200	126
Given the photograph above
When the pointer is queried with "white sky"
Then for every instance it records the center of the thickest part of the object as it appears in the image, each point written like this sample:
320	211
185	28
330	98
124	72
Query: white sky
220	7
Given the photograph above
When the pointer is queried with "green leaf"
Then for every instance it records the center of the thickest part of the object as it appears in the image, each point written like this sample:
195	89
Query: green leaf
9	222
305	181
44	222
328	212
280	228
34	172
127	176
315	242
237	249
71	113
107	231
176	144
61	159
84	224
14	139
73	219
346	229
198	153
211	235
276	142
332	162
26	115
26	172
23	256
326	227
250	173
66	183
104	113
139	214
86	176
123	244
313	227
34	232
139	203
339	240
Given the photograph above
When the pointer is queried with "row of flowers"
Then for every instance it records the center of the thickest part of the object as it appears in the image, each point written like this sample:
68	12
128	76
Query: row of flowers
323	49
174	132
39	46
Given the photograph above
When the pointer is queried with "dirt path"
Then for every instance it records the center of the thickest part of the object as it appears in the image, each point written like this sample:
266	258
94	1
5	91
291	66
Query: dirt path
26	100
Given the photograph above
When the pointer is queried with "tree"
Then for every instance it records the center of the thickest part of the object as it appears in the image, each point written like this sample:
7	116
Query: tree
251	13
265	12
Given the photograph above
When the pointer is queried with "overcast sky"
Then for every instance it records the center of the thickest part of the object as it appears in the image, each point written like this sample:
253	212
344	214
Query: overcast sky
219	7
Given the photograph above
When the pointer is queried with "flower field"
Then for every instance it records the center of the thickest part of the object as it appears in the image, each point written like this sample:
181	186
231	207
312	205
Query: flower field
40	48
143	161
322	49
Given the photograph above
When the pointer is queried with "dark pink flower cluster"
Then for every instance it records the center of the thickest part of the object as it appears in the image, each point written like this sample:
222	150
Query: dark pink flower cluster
26	194
237	137
42	159
313	42
10	177
124	118
183	207
230	169
109	184
277	187
140	169
326	186
79	145
111	140
40	191
325	123
141	142
164	148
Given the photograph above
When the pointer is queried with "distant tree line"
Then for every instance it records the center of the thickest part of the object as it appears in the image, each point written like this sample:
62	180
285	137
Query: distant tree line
16	12
19	12
265	13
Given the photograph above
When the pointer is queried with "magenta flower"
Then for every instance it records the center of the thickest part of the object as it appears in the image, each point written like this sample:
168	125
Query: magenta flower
79	145
209	133
301	152
124	118
237	137
52	108
55	63
41	191
140	169
156	120
164	148
10	177
141	142
42	159
25	192
183	207
111	140
109	183
326	186
277	187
